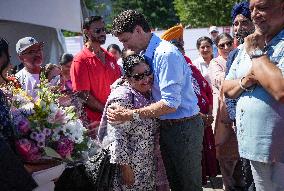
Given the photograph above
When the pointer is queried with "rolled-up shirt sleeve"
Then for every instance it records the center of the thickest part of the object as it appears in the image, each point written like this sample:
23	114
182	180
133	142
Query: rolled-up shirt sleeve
171	83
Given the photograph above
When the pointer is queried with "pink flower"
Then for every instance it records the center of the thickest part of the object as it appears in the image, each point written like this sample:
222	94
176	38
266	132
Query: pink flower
58	117
28	150
65	147
23	126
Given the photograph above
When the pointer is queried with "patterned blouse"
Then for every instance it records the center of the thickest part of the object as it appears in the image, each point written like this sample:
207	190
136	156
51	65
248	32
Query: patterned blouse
132	142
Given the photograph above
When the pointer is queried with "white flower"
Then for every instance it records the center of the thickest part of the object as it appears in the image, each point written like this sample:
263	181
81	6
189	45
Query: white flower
75	131
28	108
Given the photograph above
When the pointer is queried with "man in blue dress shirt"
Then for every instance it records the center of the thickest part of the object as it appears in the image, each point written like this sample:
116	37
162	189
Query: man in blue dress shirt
181	127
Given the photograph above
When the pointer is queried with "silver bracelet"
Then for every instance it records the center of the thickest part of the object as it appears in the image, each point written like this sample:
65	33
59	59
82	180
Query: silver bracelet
242	87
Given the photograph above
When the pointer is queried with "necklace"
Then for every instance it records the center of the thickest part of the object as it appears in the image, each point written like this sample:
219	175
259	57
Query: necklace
100	55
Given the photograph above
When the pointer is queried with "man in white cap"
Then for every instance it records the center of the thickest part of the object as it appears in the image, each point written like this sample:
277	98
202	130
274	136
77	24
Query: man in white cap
30	53
214	32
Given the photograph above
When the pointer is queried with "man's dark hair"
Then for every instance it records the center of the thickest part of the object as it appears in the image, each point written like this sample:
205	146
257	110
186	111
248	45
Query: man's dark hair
89	20
127	20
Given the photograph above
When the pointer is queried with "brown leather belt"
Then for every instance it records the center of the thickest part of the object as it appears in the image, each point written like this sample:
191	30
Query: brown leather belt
181	120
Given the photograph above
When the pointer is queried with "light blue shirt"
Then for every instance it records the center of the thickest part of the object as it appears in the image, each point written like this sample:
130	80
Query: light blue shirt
172	78
215	50
259	117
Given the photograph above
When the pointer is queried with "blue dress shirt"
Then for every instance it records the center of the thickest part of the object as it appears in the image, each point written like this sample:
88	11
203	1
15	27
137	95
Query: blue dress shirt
172	78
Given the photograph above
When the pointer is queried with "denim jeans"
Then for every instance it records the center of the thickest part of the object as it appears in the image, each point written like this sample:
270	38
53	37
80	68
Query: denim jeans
181	148
262	175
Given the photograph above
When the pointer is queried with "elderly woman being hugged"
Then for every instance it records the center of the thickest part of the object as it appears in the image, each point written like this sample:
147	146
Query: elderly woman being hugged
131	144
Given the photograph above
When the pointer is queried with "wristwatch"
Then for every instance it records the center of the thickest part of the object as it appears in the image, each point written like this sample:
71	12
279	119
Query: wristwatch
136	116
256	53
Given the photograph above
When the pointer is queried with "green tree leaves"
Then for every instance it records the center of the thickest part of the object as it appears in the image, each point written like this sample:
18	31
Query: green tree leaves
159	13
203	13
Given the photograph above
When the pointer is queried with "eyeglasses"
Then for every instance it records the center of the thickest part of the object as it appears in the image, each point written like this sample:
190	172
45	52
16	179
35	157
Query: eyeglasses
141	76
222	46
32	51
99	30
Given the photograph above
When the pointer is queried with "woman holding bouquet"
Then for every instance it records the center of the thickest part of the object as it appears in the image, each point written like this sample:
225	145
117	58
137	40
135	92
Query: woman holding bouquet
131	144
13	175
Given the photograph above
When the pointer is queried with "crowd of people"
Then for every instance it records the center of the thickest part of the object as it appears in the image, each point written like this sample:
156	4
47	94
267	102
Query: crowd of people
169	123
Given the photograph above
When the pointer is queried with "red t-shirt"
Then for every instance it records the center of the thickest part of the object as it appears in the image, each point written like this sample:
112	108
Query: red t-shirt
89	73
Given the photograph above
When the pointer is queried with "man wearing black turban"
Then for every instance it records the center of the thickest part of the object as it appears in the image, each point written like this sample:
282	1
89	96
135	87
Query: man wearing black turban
241	19
242	26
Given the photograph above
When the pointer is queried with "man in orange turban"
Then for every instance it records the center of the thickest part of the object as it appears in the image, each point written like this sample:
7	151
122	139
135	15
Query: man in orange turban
174	33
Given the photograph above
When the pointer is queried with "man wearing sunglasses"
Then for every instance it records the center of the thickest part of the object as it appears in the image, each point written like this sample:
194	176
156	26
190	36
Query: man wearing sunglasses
93	70
30	53
181	127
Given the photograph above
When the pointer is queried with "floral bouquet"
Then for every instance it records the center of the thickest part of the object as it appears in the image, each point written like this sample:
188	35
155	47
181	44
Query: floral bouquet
44	128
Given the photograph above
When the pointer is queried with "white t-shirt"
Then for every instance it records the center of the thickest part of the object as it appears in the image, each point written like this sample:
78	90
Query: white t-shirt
202	67
28	81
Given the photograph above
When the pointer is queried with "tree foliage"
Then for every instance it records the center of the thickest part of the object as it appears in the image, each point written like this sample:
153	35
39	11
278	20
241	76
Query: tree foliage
159	13
203	13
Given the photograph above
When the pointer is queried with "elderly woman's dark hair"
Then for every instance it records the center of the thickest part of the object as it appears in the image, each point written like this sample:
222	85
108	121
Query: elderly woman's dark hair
223	35
4	50
201	39
65	58
127	20
114	46
130	62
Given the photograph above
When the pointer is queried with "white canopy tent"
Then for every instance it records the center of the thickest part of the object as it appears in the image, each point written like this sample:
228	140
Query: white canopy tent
41	19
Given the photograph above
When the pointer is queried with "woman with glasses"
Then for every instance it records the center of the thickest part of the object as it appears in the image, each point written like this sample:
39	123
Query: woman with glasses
131	144
225	137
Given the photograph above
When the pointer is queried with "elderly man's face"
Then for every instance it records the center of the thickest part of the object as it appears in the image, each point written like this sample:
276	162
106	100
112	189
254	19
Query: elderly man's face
242	27
32	57
267	16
